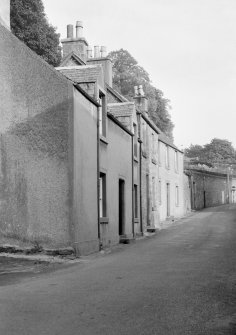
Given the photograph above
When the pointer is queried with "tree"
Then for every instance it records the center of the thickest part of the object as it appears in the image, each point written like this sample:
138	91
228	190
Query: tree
29	23
127	74
217	152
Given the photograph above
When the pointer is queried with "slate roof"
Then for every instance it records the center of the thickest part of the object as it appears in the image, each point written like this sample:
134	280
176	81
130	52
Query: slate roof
165	139
116	94
81	74
121	109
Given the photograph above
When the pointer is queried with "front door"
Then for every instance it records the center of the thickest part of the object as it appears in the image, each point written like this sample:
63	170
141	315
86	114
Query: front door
121	207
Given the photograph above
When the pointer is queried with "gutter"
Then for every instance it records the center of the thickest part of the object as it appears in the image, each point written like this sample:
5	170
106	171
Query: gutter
86	95
115	120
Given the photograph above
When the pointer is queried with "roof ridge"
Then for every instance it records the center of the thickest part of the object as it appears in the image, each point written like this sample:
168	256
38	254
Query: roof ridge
78	67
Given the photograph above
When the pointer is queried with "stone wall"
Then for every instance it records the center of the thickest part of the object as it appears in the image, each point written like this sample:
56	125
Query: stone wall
209	188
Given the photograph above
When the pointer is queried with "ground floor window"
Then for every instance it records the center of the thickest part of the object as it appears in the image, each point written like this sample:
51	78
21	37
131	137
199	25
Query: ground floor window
102	195
136	201
176	195
160	192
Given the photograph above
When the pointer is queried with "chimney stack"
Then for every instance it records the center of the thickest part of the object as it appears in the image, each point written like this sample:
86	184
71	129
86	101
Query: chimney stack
79	29
70	31
96	51
5	13
76	44
103	51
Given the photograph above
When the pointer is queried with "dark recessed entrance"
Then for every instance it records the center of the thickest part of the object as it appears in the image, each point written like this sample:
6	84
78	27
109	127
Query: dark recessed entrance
121	207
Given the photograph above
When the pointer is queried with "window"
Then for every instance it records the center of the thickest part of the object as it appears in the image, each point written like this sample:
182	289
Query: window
153	193
102	114
176	195
159	191
102	195
167	157
176	161
159	153
144	139
135	140
136	201
153	145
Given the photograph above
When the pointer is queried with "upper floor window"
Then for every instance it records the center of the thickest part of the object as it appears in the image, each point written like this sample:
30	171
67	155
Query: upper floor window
153	144
102	115
176	161
159	153
167	156
144	137
135	140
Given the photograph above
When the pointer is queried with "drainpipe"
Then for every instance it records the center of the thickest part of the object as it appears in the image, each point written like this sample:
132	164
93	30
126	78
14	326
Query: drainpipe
228	185
98	178
140	174
132	157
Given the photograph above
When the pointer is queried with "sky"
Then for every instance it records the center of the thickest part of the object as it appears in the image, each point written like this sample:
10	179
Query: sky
188	47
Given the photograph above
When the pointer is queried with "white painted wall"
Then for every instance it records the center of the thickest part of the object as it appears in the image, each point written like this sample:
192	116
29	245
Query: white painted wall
5	13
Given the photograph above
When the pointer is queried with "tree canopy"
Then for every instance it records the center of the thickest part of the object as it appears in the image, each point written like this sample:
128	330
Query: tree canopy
29	23
127	74
218	151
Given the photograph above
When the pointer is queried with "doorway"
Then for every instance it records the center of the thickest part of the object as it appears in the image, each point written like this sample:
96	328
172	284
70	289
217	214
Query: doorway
121	207
167	199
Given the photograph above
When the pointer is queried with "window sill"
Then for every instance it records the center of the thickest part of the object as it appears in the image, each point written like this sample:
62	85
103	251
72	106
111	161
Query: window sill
103	139
136	159
136	220
144	154
104	220
154	161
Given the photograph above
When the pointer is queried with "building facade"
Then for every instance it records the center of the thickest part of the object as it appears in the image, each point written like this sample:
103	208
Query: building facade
81	166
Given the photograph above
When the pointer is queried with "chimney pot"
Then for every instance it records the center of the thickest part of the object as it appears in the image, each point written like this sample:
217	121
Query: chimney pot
103	51
70	31
140	90
135	90
96	51
79	29
89	52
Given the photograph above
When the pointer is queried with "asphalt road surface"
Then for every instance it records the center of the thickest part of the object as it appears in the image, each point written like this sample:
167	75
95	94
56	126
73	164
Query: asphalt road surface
181	281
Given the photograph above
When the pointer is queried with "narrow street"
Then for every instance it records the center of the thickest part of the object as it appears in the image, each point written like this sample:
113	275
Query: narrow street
181	281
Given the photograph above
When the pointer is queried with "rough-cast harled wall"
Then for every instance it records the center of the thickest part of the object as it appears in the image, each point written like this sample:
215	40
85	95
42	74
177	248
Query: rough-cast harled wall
116	163
35	111
187	193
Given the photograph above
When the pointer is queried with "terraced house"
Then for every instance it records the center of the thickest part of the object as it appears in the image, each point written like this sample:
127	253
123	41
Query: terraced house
81	166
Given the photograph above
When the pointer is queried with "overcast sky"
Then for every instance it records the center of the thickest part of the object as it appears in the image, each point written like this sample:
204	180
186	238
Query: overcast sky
188	48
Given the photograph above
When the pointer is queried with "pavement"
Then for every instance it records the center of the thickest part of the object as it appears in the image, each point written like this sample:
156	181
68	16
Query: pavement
180	281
